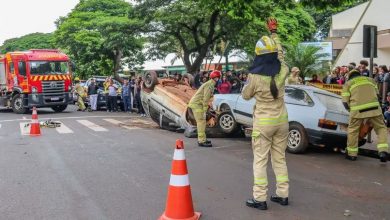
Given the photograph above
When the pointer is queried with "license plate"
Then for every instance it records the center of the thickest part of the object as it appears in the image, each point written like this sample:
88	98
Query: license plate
55	98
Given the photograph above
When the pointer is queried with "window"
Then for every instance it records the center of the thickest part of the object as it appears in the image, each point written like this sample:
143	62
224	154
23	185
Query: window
11	67
22	68
331	102
298	97
48	67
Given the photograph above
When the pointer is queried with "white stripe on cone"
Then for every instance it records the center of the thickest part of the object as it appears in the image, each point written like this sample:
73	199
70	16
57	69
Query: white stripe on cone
179	154
179	180
34	121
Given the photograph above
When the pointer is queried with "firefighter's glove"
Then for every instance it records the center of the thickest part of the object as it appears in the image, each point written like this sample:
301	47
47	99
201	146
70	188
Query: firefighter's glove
272	25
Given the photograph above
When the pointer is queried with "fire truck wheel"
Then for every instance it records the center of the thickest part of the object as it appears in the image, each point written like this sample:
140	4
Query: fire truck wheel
59	108
17	104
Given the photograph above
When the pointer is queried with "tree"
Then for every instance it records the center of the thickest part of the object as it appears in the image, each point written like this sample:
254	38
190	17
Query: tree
196	26
323	16
305	58
100	35
30	41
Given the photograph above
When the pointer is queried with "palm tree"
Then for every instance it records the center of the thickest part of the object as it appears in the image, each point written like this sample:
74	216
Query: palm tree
306	58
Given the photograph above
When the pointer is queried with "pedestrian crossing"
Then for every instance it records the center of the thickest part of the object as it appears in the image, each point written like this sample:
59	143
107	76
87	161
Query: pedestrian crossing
71	126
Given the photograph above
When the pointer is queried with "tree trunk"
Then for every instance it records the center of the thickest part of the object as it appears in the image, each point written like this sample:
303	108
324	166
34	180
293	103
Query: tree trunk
117	64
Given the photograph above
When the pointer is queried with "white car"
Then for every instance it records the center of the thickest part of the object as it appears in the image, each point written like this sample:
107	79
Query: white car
315	116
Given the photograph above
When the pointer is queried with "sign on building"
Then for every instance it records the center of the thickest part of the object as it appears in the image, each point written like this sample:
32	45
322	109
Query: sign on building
326	48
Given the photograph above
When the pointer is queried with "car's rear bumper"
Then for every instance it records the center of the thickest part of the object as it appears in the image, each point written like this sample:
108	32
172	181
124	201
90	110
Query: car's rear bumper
326	138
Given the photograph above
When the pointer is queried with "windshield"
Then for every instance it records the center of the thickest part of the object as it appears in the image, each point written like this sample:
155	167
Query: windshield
332	103
48	67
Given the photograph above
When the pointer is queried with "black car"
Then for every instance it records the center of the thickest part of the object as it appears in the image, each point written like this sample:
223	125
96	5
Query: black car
101	96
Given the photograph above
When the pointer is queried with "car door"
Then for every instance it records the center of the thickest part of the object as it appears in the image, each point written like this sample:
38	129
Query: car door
300	107
244	110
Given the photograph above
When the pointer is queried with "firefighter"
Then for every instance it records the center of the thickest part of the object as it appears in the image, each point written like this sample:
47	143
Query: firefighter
270	121
360	97
81	94
199	105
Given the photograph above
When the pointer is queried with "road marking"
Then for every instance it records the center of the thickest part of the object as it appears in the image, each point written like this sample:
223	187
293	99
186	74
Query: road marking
120	124
63	118
63	129
91	125
24	129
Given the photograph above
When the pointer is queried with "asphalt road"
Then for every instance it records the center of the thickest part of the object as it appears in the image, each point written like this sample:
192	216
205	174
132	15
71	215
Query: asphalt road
117	166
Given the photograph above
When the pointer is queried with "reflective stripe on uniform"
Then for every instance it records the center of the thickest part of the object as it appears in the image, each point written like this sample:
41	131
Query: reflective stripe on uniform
273	121
363	82
365	106
382	146
282	179
346	94
255	134
261	181
352	149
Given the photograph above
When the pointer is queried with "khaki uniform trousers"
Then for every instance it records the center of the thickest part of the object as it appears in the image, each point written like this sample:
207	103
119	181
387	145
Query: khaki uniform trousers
200	118
353	134
271	139
80	102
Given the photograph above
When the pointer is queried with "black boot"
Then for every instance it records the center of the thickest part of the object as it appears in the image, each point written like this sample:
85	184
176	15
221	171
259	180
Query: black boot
383	157
208	141
256	204
280	200
351	158
205	144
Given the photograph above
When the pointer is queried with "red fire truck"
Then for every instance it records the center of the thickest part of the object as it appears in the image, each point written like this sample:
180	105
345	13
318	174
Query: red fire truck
40	78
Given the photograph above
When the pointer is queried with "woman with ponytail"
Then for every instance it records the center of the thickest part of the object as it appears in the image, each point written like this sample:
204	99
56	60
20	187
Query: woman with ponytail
270	121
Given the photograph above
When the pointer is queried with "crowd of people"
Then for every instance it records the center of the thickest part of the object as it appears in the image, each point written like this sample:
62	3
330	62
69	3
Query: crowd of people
129	92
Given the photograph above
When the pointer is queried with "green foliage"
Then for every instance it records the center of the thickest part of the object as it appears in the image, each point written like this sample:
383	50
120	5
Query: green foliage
295	25
101	36
192	28
323	16
305	58
30	41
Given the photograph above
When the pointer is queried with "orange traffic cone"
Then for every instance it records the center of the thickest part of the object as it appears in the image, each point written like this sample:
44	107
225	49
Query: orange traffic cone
179	200
35	129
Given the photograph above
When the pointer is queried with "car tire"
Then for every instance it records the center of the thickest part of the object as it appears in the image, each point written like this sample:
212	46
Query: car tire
17	104
297	140
227	123
150	80
59	108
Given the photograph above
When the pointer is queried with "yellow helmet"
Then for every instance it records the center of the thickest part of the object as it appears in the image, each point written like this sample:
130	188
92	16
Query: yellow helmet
265	45
76	79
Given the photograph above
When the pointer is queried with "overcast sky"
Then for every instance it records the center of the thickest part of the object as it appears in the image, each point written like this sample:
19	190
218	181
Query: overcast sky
21	17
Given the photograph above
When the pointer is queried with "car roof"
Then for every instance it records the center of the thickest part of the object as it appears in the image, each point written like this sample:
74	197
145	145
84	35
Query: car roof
314	89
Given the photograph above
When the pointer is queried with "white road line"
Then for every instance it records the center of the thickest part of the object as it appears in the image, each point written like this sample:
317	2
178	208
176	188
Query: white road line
63	129
64	118
119	123
24	130
91	125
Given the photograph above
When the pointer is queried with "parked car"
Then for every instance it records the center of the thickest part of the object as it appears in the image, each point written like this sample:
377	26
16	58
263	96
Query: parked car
315	116
101	97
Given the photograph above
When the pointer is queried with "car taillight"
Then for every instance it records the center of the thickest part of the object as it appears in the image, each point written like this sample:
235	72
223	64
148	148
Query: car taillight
328	124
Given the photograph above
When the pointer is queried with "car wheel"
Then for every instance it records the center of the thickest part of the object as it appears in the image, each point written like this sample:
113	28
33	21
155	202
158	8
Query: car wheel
59	108
297	141
227	123
150	80
17	104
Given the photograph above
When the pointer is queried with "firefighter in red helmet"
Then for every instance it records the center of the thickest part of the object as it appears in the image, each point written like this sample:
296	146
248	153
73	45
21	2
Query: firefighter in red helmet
199	104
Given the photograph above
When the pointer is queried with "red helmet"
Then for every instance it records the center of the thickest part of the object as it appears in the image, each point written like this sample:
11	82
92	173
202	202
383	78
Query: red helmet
215	74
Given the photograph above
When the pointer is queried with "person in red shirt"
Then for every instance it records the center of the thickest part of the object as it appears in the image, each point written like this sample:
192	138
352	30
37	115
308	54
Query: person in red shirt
314	79
225	86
